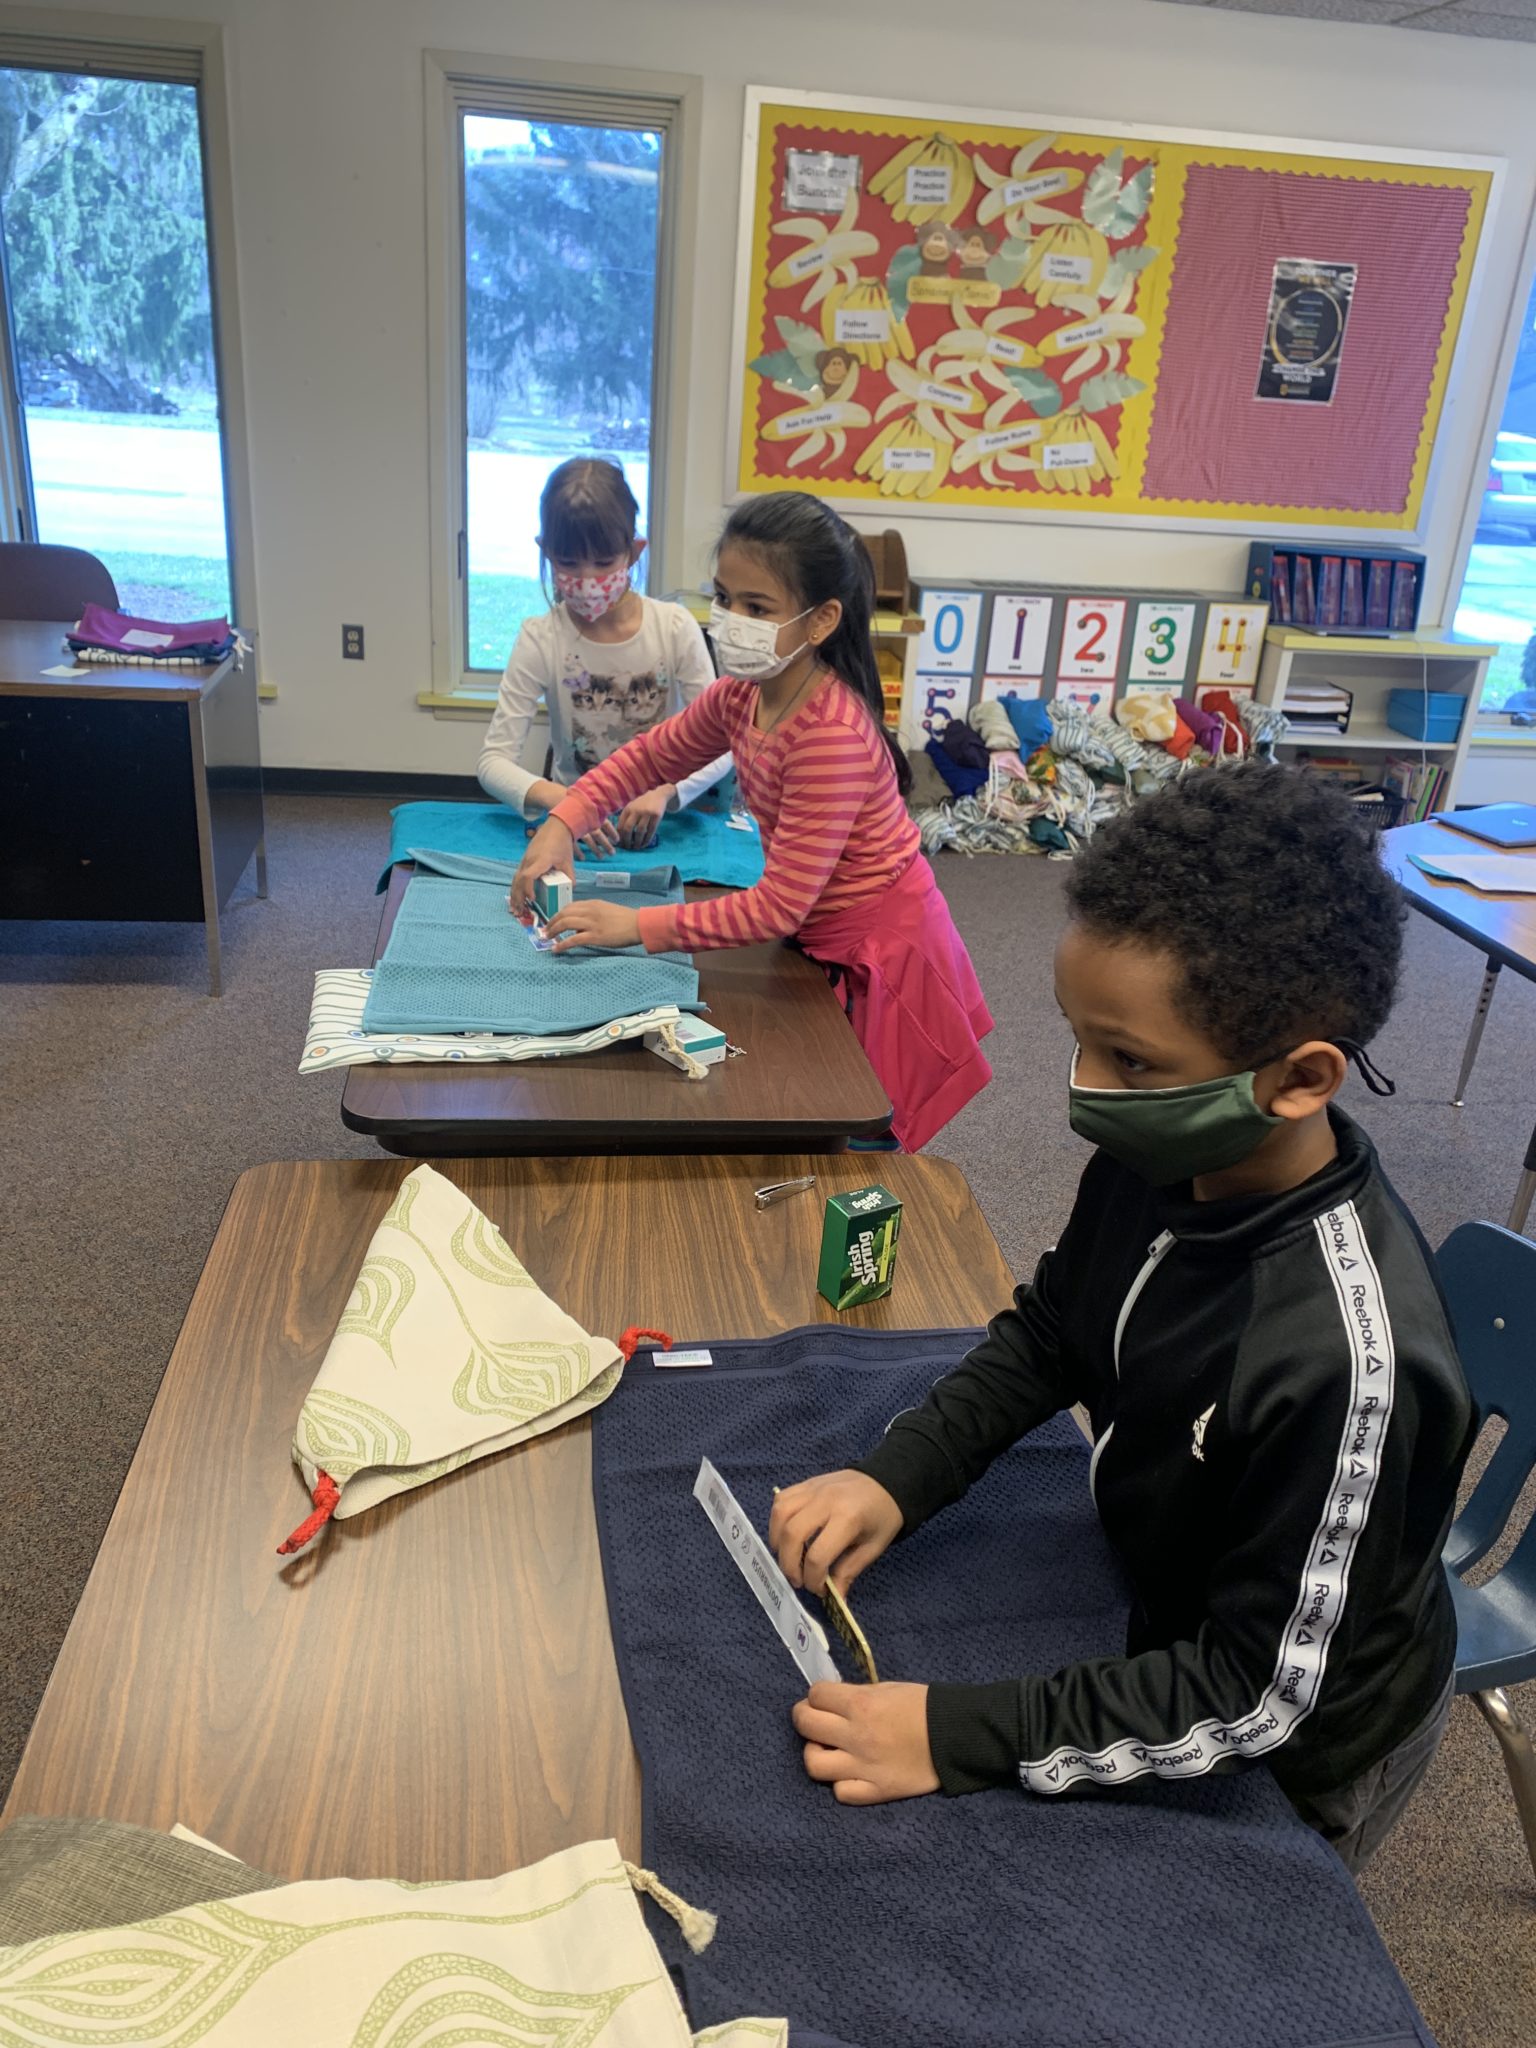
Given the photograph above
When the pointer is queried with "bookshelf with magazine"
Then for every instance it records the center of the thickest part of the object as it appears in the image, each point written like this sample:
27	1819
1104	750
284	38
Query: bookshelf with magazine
1389	716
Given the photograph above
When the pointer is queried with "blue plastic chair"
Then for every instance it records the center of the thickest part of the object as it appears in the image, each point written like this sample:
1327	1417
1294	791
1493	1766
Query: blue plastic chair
1489	1277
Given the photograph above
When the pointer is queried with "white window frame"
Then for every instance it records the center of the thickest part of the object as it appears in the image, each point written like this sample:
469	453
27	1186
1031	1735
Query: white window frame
457	83
149	46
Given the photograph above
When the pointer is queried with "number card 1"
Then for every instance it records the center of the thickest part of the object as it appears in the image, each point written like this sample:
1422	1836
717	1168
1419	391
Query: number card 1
951	631
1162	643
1021	626
1091	632
1234	640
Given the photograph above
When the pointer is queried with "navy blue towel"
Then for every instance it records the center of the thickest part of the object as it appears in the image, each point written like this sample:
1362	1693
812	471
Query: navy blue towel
1201	1915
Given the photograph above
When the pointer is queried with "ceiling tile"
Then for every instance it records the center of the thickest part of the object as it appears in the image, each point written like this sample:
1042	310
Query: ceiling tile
1378	12
1469	21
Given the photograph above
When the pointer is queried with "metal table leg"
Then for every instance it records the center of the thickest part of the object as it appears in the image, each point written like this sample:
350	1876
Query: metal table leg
1521	1206
1475	1035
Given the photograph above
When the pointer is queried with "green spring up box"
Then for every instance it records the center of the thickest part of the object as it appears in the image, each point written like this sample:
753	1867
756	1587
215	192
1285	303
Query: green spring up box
858	1246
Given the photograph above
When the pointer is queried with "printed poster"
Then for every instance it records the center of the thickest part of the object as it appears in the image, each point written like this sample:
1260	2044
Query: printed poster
1304	335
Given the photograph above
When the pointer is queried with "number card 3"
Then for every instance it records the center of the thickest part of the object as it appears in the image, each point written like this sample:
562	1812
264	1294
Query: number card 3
1161	643
951	630
1021	626
1234	640
1091	632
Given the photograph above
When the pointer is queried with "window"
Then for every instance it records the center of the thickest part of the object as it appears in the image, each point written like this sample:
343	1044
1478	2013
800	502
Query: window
557	226
1498	595
113	419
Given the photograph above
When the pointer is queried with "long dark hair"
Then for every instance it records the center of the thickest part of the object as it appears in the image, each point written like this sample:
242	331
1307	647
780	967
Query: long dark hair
817	556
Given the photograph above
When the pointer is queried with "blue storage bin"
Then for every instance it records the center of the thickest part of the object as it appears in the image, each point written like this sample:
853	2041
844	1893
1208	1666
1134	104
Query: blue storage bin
1420	715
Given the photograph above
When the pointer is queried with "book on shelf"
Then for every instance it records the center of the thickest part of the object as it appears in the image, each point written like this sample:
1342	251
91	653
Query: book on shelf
1319	707
1420	784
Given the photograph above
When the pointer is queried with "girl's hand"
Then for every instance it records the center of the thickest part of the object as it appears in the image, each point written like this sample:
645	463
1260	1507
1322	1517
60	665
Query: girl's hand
638	820
599	842
868	1742
593	923
550	847
839	1523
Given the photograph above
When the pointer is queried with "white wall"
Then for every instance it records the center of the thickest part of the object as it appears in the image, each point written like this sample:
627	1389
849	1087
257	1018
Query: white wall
327	123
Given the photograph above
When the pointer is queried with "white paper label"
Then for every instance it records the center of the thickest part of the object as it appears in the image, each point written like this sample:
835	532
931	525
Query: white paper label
1010	437
808	260
945	394
1067	269
660	1357
929	184
817	181
758	1566
1090	330
1003	350
619	879
137	637
807	422
906	458
1041	186
874	325
1070	455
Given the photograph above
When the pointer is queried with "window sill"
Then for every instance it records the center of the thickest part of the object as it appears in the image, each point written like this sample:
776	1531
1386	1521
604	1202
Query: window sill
457	703
1523	736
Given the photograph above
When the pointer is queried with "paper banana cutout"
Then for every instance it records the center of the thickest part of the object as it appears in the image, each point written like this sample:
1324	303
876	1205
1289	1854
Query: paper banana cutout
1019	197
1095	340
830	254
902	180
870	330
821	426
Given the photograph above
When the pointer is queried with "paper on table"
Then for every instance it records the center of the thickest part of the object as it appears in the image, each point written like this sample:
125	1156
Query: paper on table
800	1635
1494	874
65	670
446	1351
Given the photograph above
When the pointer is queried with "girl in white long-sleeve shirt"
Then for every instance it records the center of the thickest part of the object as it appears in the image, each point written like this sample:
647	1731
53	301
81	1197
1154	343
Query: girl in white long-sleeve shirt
608	662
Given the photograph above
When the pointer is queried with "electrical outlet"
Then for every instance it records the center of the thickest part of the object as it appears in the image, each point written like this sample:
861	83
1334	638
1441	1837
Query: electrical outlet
351	643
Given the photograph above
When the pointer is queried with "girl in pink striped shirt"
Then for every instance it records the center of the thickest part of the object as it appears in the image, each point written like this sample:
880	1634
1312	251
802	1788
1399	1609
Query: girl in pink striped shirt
801	710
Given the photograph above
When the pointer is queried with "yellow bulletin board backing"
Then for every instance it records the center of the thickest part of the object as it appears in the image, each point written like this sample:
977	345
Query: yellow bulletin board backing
952	310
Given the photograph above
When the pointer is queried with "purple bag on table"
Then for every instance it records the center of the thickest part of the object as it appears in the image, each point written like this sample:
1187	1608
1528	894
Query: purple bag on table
102	634
1205	726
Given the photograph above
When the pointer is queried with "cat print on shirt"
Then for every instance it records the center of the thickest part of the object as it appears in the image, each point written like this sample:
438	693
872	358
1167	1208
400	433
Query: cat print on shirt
605	711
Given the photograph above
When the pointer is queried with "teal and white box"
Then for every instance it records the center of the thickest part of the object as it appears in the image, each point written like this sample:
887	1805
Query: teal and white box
705	1041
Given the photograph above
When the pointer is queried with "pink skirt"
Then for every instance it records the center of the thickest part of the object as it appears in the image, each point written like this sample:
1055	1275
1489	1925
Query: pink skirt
913	999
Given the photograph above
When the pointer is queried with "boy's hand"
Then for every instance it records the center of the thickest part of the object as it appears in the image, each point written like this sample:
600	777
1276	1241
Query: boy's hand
638	820
592	922
838	1523
868	1742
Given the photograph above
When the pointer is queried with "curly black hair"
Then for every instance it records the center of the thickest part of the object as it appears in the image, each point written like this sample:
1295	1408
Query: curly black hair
1266	888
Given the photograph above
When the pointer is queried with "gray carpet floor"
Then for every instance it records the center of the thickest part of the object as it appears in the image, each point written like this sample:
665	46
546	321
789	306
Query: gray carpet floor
130	1103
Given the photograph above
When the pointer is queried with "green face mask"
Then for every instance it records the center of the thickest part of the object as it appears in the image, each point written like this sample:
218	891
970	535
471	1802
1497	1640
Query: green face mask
1172	1134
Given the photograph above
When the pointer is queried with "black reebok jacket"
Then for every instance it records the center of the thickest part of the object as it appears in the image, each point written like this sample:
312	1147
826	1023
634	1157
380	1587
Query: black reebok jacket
1279	1420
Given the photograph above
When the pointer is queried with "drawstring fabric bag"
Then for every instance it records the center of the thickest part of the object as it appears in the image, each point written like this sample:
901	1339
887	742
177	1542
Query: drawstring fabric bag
446	1351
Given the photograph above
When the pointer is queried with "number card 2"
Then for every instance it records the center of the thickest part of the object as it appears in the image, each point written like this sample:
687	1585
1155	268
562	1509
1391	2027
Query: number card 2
1091	631
1021	626
951	630
1234	640
1161	643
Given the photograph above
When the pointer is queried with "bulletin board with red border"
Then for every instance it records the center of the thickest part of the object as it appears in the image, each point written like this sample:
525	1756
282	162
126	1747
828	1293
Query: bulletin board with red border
940	312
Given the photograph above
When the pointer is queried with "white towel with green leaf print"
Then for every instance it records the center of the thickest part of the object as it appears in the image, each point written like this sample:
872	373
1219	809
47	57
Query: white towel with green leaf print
446	1351
556	1954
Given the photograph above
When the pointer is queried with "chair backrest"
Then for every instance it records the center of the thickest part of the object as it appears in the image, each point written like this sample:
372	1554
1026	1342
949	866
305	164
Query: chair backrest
42	582
1489	1277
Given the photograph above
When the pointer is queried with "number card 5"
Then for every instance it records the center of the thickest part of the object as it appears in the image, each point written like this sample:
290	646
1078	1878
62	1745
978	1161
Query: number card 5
1161	643
1091	632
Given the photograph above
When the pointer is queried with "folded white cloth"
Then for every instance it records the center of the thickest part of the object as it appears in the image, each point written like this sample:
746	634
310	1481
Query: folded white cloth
334	1036
445	1352
554	1953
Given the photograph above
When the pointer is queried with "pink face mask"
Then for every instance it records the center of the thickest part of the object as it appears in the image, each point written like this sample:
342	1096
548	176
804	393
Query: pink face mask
590	596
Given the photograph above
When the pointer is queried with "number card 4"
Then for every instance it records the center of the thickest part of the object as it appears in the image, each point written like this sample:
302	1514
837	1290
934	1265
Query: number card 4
1161	643
1234	640
1091	632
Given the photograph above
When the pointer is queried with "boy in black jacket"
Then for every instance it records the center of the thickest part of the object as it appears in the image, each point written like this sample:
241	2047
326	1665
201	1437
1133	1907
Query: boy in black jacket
1249	1316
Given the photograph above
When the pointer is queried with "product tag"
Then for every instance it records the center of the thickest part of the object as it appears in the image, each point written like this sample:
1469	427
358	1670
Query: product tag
758	1566
682	1358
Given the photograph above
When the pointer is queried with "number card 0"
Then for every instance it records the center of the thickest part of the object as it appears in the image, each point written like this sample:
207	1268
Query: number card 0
951	631
1021	626
1162	642
1234	640
1091	631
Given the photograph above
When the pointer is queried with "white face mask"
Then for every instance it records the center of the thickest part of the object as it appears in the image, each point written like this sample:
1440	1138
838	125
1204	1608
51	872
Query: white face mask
749	647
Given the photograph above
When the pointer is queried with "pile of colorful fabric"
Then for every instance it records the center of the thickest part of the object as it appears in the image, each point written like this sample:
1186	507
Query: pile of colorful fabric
1021	775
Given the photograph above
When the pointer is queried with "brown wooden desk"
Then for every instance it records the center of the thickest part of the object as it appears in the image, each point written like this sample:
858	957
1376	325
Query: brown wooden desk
804	1084
430	1692
128	793
1503	928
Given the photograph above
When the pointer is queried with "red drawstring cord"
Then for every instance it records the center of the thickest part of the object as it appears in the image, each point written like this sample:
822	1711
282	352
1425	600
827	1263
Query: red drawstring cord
327	1493
633	1338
